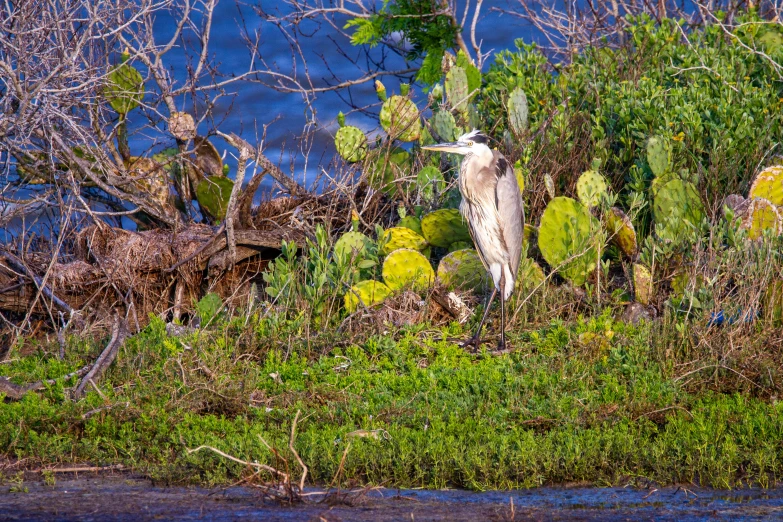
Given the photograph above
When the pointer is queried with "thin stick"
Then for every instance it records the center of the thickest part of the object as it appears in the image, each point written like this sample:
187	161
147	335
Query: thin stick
296	454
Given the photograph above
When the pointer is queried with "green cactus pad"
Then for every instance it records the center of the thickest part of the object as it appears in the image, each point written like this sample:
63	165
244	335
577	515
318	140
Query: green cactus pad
462	269
642	284
678	207
621	232
352	244
590	188
400	118
385	169
213	194
430	183
367	293
517	110
761	215
444	125
411	222
444	227
407	267
125	88
351	143
460	245
566	239
659	155
402	237
471	72
457	88
768	185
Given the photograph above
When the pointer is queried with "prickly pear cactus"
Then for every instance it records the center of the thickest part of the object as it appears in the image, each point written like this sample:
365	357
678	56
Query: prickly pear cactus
471	72
351	143
459	245
659	155
642	284
407	267
760	216
444	125
457	89
383	170
182	126
367	293
517	110
567	239
678	207
443	227
352	244
402	237
620	231
213	194
125	87
411	222
768	185
430	183
380	90
400	118
463	269
590	188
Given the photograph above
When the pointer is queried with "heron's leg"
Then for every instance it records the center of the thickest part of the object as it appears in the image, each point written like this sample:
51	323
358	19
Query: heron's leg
502	345
475	339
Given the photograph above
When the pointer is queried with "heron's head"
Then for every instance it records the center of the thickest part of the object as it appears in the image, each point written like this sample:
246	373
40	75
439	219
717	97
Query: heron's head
474	142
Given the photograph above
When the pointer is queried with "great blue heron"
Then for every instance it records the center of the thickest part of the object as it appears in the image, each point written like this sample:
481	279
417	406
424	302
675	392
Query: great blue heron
492	206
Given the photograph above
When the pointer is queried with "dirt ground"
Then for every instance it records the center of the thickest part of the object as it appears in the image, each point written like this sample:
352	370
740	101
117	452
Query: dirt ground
125	498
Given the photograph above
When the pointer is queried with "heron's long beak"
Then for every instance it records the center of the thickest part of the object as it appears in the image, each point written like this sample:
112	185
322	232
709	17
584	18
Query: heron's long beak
456	146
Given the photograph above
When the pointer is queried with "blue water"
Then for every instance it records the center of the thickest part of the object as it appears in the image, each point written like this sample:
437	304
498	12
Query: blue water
247	107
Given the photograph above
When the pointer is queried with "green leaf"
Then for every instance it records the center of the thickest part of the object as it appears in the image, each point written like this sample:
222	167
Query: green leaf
367	31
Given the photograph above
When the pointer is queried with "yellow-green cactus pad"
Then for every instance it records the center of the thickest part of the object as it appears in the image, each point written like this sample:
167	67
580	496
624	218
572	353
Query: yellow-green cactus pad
400	118
444	227
768	185
402	237
367	293
430	183
213	193
456	85
621	232
642	284
761	215
462	269
460	245
407	268
351	143
352	244
590	187
125	88
444	125
567	239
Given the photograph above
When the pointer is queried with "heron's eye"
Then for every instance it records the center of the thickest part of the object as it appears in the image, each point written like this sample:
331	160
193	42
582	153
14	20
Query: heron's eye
470	144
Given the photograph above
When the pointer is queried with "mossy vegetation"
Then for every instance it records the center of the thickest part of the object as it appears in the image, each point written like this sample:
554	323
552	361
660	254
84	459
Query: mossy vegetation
590	401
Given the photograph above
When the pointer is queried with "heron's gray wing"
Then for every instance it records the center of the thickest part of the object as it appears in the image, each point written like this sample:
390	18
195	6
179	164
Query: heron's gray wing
509	204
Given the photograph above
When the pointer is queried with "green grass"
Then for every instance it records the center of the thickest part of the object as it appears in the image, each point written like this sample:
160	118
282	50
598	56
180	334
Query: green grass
590	402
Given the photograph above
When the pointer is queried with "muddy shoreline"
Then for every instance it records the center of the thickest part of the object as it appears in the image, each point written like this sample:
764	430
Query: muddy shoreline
126	498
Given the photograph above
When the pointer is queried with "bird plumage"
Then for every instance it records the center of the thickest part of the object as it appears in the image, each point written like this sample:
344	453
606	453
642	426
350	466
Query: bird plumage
492	206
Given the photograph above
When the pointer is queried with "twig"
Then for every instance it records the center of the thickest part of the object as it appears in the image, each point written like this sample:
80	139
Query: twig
119	332
296	454
17	391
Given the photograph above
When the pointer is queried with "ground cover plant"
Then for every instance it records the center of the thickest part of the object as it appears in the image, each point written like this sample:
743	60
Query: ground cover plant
645	329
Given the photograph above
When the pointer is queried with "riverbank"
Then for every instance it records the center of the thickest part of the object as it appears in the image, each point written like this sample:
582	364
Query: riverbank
593	402
119	498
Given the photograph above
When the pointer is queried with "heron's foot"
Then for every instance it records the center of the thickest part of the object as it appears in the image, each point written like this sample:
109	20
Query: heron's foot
474	343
